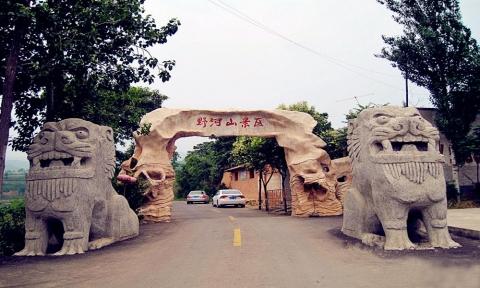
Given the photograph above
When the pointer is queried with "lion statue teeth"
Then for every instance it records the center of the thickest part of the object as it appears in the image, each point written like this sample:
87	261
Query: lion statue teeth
69	197
397	176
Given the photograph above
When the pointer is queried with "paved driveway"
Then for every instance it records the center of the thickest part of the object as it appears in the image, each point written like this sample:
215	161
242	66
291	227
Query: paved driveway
241	247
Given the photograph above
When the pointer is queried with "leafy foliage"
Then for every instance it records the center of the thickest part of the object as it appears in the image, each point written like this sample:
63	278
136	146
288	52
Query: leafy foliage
469	147
133	192
202	168
77	56
263	155
12	226
437	52
336	139
144	129
123	110
323	125
452	193
259	153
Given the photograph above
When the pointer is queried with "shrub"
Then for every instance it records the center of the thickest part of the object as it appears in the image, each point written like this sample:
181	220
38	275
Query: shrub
464	204
12	226
452	193
133	192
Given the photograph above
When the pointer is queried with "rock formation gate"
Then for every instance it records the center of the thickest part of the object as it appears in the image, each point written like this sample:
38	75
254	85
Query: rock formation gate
312	180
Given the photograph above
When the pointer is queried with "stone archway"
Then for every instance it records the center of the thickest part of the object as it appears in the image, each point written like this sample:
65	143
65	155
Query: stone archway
312	180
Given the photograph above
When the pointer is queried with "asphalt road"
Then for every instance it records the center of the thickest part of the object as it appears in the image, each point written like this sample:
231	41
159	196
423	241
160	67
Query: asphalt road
241	247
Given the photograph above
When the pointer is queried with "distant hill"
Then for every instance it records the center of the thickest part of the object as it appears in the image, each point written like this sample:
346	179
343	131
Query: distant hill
15	165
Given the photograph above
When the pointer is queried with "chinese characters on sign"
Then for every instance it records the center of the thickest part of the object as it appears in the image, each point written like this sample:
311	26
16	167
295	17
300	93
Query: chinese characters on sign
244	122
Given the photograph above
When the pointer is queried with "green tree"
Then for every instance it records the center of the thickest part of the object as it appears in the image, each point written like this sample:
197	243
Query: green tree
202	168
69	55
86	51
470	149
197	171
323	124
336	142
263	155
15	18
266	156
475	152
334	138
123	110
436	51
12	226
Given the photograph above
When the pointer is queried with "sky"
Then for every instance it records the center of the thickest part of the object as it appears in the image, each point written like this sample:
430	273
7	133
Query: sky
251	54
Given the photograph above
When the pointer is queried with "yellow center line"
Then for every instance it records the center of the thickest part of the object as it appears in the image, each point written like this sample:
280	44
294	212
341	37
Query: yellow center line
231	218
237	237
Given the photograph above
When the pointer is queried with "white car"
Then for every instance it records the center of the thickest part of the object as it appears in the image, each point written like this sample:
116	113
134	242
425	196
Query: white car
226	197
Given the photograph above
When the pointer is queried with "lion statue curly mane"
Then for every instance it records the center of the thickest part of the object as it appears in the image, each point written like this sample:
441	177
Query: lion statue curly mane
69	198
397	176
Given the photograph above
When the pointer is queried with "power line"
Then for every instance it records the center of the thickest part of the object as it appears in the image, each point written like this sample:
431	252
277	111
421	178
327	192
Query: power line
296	42
232	10
355	97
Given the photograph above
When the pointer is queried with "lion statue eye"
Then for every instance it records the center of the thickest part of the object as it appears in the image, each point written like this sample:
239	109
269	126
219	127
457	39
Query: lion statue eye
383	120
81	134
43	136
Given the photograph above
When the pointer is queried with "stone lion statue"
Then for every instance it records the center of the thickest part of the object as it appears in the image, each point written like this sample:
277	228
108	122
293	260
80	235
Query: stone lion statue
69	198
397	176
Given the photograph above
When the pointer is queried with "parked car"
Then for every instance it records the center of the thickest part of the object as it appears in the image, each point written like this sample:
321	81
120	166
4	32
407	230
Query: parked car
197	196
226	197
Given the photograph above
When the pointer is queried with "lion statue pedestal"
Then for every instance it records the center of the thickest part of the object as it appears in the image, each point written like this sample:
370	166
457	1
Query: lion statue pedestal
397	176
69	197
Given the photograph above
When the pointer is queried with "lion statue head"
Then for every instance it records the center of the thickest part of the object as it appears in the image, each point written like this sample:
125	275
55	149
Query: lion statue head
398	138
71	205
66	152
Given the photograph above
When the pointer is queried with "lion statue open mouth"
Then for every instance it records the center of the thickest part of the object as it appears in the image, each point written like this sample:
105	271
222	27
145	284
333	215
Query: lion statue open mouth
314	184
397	174
69	197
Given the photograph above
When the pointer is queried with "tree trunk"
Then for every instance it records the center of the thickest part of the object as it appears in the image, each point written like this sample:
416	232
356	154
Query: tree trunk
284	196
267	208
477	185
265	184
49	93
455	173
478	175
260	190
7	91
53	91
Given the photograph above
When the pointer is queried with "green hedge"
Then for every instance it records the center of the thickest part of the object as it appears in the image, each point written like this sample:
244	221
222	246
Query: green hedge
12	226
133	192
